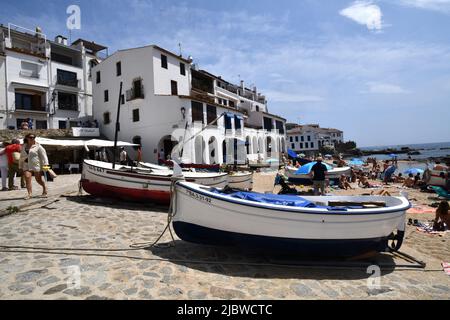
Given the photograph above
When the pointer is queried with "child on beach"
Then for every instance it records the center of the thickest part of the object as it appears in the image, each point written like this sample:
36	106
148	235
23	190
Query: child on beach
343	183
442	219
409	182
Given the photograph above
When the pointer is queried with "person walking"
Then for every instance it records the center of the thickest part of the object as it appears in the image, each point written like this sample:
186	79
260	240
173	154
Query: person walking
3	166
318	172
33	160
12	152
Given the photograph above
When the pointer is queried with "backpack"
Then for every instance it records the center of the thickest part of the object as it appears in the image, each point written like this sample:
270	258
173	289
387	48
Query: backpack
16	157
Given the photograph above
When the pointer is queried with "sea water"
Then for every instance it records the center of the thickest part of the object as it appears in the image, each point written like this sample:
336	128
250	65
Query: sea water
427	150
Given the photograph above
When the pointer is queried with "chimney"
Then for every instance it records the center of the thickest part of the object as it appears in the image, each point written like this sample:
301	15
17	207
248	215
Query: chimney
242	85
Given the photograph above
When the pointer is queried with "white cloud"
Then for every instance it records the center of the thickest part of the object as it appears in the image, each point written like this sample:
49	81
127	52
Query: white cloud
365	13
384	88
435	5
278	96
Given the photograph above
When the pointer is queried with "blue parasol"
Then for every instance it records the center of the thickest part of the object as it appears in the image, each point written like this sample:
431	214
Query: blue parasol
292	153
414	171
393	155
306	168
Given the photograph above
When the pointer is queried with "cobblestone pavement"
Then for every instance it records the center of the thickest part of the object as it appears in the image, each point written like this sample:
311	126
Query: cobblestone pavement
169	272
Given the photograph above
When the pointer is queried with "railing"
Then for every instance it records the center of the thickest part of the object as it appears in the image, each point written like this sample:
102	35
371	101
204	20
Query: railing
133	94
201	85
31	109
75	83
29	74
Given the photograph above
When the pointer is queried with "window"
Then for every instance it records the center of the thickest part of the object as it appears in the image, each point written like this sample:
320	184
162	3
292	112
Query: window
228	121
118	68
231	104
67	101
211	114
292	145
268	124
122	99
163	61
135	115
41	124
306	145
257	108
303	138
137	89
296	139
106	95
237	122
29	70
182	68
309	138
62	124
279	126
312	145
174	87
62	58
301	145
66	78
98	77
106	118
290	139
26	101
197	111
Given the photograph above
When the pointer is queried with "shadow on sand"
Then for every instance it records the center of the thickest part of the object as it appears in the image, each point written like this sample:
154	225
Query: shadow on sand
117	203
231	261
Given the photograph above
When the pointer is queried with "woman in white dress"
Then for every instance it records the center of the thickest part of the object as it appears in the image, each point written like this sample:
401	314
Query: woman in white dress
33	160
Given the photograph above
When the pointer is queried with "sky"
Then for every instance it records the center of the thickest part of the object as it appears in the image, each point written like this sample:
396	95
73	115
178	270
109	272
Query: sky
378	70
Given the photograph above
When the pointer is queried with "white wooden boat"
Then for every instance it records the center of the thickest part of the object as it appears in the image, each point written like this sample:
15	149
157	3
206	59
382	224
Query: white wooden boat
241	180
138	184
307	225
305	179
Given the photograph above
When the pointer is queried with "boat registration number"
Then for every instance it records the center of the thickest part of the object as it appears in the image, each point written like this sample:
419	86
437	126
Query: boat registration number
198	196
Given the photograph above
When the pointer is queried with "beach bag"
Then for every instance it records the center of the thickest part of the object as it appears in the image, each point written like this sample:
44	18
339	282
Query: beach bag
16	157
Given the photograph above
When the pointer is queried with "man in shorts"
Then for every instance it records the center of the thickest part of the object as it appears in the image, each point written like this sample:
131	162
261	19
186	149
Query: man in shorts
318	171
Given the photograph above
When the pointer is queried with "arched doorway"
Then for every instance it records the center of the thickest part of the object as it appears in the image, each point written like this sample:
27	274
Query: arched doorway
213	154
269	146
165	147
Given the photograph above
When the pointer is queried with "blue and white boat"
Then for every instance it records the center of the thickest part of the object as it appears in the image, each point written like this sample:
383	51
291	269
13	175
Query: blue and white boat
308	225
302	175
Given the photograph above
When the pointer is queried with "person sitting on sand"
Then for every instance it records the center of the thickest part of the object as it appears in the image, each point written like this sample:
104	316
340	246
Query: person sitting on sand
409	182
442	219
399	178
364	182
343	183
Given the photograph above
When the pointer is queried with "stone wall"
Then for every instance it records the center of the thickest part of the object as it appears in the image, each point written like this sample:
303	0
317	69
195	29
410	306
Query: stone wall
8	135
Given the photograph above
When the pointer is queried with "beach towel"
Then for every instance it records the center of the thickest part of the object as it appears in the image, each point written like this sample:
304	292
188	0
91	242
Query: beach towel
428	229
446	266
421	209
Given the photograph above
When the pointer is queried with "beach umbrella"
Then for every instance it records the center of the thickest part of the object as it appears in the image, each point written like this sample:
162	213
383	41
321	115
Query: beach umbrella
393	155
292	153
414	171
306	168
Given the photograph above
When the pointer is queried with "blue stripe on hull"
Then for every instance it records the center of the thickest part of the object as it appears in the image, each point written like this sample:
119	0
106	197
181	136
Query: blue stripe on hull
307	182
307	247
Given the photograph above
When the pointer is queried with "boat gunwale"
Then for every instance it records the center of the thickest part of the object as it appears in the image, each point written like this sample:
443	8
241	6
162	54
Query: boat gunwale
374	211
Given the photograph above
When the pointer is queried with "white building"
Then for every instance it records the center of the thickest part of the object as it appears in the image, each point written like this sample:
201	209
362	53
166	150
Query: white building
309	138
163	95
46	81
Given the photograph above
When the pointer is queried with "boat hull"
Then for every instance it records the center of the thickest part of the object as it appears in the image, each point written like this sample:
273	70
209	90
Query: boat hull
202	217
305	179
307	247
241	180
100	180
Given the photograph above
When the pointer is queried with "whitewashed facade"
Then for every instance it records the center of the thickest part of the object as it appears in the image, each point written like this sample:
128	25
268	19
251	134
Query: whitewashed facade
309	138
43	80
163	95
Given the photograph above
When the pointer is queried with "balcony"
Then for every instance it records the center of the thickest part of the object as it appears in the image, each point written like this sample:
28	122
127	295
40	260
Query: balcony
135	93
32	108
72	83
